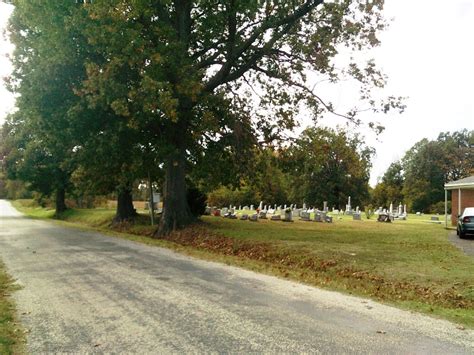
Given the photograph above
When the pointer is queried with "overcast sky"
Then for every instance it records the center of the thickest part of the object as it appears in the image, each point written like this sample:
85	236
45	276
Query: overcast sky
428	55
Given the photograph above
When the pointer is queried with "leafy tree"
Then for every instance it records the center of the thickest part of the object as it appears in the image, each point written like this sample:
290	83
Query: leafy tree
46	69
458	149
169	62
390	188
62	136
424	170
328	165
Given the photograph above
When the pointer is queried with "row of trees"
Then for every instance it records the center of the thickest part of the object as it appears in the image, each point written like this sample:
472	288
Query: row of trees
182	91
322	164
418	178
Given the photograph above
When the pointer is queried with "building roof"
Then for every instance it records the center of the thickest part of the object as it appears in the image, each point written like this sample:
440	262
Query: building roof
466	183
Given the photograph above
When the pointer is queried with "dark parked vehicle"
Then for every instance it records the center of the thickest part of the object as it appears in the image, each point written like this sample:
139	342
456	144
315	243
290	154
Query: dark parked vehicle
466	222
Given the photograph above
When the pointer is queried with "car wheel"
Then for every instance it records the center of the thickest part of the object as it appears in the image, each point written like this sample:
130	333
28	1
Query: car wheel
457	231
462	235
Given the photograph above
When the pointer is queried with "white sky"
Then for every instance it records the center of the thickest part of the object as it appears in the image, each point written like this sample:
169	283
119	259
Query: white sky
428	55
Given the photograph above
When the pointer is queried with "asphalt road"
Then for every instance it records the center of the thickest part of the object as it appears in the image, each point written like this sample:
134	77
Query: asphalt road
83	292
466	244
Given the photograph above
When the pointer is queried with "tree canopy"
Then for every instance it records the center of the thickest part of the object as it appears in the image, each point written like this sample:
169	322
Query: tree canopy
418	178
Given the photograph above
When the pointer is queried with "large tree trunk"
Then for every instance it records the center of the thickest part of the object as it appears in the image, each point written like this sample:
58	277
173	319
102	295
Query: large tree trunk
125	210
60	201
176	212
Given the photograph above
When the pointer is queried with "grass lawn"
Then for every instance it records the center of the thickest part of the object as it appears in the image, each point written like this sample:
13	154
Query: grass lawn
409	264
11	336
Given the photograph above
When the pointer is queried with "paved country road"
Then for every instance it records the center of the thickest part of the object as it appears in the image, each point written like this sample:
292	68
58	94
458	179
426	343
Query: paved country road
83	292
466	244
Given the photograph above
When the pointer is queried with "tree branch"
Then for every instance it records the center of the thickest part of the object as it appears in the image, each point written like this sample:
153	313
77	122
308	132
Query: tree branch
225	74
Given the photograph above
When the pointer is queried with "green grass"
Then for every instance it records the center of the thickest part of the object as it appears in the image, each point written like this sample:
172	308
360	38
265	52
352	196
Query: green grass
11	335
409	264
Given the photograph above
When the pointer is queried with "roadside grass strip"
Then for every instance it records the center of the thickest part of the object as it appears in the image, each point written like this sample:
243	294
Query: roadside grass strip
11	334
409	264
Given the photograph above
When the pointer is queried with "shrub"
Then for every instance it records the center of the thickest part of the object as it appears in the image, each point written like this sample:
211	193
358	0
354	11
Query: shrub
223	196
438	207
196	201
369	211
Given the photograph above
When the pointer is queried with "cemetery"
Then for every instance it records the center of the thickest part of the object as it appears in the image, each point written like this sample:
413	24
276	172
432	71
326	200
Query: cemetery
291	213
204	129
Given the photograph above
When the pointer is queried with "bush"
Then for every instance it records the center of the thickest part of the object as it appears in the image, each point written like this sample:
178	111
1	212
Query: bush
438	208
223	196
15	189
196	201
369	211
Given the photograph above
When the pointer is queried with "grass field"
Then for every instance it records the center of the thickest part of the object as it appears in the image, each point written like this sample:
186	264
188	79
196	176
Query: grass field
409	264
11	335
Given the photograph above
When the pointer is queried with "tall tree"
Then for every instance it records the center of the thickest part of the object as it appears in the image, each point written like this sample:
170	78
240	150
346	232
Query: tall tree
390	188
185	53
428	165
44	76
328	165
65	136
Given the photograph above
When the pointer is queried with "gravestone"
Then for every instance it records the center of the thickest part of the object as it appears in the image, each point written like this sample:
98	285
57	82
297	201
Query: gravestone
244	217
305	216
252	208
253	218
262	215
325	206
348	206
434	218
328	219
224	211
275	217
288	216
217	213
384	217
318	217
356	217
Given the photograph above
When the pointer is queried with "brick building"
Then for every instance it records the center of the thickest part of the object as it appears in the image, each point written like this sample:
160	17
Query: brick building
462	196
